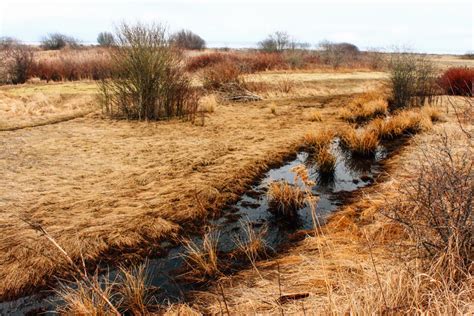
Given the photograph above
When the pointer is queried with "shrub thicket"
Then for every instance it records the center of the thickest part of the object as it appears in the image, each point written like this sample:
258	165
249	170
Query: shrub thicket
186	39
55	41
16	63
146	81
413	80
458	81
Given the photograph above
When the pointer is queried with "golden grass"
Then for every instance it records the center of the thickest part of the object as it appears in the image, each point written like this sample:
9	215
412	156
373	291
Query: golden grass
356	265
129	293
285	199
360	142
202	258
80	299
101	187
402	123
253	246
42	109
364	108
326	162
315	141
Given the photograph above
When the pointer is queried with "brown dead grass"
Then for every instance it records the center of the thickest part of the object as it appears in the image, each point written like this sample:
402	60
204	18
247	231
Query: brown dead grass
102	187
354	266
40	108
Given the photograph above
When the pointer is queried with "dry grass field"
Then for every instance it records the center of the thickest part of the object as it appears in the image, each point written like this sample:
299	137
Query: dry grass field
111	190
101	186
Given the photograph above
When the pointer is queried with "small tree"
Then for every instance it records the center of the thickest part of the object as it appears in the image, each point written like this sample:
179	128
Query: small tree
56	41
147	81
186	39
105	39
276	42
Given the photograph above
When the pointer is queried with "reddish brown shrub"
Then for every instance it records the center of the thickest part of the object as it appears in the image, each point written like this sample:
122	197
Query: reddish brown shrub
221	76
457	81
203	61
70	66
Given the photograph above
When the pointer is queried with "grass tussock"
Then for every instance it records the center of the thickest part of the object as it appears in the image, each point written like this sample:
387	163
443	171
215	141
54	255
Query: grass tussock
326	162
252	246
364	108
202	258
316	141
360	142
134	291
129	293
285	199
403	123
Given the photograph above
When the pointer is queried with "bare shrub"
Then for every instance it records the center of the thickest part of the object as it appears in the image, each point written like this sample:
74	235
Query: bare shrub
436	208
17	61
222	76
276	42
147	81
55	41
186	39
335	54
413	80
105	39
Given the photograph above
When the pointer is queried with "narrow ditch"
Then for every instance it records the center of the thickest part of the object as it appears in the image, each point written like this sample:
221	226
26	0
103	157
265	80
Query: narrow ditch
166	272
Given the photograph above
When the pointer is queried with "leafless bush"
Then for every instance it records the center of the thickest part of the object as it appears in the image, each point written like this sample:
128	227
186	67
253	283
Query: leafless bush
186	39
105	39
413	80
55	41
436	208
17	60
276	42
147	81
335	54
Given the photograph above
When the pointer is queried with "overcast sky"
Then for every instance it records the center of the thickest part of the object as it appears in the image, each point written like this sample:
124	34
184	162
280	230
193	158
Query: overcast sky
425	26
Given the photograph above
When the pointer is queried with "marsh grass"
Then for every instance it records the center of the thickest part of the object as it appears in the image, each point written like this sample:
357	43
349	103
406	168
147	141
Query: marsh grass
362	112
253	245
285	199
202	258
82	299
326	162
136	295
407	122
316	141
360	142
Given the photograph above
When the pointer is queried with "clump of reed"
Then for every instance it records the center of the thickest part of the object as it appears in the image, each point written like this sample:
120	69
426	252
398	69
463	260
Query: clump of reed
202	258
285	199
365	106
315	141
252	245
326	162
359	112
360	142
128	293
404	123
